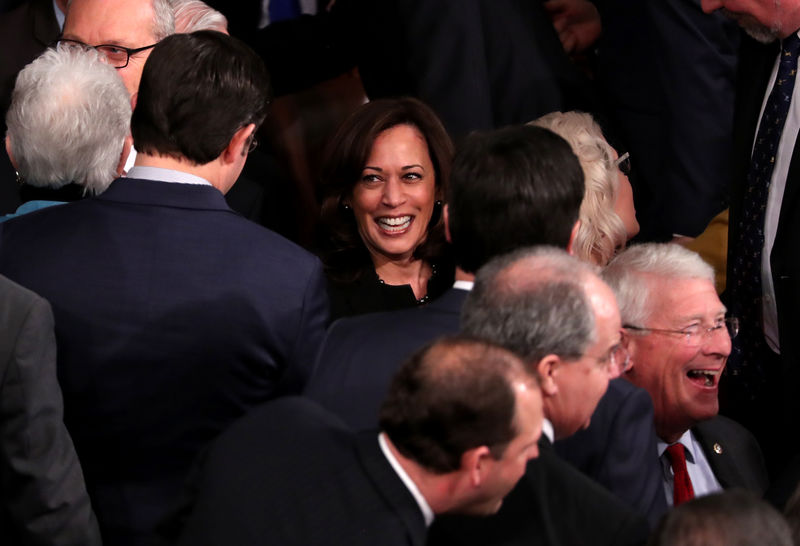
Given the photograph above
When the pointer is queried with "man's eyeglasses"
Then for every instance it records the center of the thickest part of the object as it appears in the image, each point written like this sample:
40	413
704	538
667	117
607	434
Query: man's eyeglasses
253	144
623	163
696	334
117	56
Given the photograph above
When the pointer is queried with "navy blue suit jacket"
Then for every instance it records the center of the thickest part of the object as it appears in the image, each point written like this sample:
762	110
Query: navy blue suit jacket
173	317
361	354
619	450
291	473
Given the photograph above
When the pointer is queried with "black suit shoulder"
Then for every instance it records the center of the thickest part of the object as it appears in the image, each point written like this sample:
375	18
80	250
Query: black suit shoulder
291	473
733	453
553	504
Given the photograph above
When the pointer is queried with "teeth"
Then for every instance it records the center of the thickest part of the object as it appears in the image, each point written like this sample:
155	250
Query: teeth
398	223
707	375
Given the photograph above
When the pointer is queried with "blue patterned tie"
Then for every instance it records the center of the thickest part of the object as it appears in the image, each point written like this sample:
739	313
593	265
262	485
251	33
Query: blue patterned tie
745	281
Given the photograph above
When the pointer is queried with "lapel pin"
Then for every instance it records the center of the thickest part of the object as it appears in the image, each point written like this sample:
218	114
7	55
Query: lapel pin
717	449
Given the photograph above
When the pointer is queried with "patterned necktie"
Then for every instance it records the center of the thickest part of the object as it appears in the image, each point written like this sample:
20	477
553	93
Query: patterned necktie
682	489
745	280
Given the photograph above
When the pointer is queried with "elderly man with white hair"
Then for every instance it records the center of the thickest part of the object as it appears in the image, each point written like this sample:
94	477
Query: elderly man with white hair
68	127
679	339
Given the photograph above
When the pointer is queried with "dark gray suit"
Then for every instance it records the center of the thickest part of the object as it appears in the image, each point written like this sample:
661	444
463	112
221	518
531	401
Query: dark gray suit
43	498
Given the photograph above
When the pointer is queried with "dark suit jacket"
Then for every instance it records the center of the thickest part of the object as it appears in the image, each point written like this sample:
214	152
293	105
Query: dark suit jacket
553	504
291	473
779	401
619	451
733	454
174	316
42	493
361	354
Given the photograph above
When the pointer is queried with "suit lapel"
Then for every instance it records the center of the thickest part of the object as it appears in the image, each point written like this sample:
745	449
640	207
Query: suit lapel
391	488
718	454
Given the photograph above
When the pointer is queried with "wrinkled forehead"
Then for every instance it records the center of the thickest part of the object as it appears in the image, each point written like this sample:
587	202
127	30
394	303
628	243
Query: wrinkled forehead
128	23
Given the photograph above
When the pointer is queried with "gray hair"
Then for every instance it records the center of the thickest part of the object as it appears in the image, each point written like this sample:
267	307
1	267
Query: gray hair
68	119
533	302
601	231
194	15
629	274
163	21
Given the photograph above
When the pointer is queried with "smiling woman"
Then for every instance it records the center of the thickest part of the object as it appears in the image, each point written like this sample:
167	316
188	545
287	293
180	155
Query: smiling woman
382	238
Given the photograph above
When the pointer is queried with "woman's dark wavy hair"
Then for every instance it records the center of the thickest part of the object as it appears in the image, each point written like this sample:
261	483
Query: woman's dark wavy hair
343	252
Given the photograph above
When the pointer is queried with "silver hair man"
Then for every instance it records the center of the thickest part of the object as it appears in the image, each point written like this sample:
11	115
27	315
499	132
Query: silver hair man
630	273
553	311
545	312
194	15
68	120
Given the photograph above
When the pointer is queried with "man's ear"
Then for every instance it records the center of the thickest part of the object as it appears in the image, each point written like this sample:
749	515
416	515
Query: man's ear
10	155
237	146
629	342
446	213
548	368
572	235
475	464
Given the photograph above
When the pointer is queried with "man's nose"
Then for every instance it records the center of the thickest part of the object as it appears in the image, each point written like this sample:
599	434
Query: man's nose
710	5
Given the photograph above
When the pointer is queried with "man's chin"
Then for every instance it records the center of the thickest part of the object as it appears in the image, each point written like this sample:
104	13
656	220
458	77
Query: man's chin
754	28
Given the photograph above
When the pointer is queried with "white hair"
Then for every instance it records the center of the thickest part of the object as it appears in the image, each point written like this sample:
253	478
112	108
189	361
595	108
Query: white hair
601	231
629	274
194	15
68	119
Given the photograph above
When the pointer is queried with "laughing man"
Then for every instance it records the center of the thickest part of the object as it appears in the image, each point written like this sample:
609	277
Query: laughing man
679	339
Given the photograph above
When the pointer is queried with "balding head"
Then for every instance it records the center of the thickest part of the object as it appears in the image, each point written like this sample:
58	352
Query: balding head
130	24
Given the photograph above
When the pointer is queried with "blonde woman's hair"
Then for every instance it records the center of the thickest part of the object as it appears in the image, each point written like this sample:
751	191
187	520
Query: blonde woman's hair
601	232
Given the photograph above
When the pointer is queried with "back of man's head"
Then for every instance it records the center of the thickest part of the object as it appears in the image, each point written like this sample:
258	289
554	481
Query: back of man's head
196	91
532	302
68	120
451	396
731	517
511	188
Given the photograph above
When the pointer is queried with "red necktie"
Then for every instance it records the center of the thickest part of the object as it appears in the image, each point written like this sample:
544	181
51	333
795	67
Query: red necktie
683	490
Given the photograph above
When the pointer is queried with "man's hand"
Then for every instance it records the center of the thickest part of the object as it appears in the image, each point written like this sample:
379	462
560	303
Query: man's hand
577	23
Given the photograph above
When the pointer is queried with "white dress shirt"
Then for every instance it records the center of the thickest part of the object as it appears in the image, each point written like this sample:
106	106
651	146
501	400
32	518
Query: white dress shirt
776	189
703	480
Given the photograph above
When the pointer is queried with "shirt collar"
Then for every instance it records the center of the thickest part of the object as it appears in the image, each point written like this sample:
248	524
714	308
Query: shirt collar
427	513
166	175
688	443
463	285
547	430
